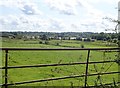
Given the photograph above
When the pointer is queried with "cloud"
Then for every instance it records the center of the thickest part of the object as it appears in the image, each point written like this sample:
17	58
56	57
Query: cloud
85	17
10	19
12	3
103	1
99	25
74	26
56	24
73	7
3	21
9	22
70	7
67	7
28	7
30	23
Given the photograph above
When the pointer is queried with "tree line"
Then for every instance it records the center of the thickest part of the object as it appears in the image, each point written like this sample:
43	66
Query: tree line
62	35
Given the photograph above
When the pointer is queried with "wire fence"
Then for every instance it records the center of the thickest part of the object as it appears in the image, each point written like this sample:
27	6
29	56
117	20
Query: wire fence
85	74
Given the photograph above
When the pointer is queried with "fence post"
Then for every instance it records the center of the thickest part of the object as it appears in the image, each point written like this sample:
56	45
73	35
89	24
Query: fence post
6	65
119	42
86	72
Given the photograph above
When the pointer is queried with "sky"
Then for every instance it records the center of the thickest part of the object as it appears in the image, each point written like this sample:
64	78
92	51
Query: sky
58	15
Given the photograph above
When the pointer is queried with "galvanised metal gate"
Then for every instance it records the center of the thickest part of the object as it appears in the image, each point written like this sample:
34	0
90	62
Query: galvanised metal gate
6	68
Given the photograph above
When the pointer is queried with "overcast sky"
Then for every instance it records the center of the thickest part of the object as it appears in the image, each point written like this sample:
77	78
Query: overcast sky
57	15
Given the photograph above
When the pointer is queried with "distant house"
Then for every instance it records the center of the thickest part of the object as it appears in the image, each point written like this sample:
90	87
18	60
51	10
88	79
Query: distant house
57	38
72	38
50	37
37	37
28	37
84	39
32	37
66	38
92	40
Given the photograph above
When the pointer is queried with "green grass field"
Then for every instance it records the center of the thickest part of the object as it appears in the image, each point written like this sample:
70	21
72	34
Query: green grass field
17	58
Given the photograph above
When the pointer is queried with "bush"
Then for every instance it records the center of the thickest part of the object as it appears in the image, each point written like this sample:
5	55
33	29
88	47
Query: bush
57	44
115	41
82	46
46	42
40	42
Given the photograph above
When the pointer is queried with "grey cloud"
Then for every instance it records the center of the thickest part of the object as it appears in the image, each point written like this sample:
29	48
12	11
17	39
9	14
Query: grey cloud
14	23
74	26
23	20
56	25
2	21
67	12
62	7
30	9
27	9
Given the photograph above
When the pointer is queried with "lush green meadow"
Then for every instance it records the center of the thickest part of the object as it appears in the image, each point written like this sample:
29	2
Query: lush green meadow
17	58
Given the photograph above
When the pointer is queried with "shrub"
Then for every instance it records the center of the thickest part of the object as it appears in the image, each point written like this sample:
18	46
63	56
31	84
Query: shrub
115	41
57	44
82	46
46	42
40	42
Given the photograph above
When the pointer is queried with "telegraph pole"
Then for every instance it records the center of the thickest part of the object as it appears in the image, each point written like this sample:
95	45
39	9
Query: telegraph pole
119	42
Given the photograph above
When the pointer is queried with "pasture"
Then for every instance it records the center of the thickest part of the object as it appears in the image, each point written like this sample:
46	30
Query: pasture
17	58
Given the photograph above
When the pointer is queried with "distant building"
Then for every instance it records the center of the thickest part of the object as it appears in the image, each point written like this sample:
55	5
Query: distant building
92	40
57	38
72	38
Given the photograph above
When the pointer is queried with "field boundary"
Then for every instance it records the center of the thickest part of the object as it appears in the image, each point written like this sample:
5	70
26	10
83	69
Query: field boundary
6	68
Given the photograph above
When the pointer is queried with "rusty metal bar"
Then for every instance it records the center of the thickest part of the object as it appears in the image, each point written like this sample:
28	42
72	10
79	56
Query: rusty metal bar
62	64
59	78
87	64
106	85
59	49
6	70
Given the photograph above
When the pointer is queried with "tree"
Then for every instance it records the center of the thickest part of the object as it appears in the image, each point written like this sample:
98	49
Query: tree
44	37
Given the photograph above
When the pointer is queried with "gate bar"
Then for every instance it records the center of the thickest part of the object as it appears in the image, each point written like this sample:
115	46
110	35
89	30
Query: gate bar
6	65
87	64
